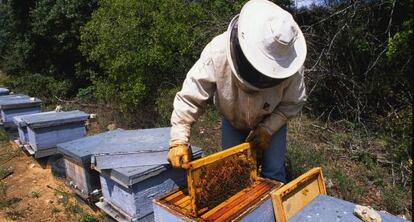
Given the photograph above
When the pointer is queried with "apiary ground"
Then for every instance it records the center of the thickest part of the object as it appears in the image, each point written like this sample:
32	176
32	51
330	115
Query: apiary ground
31	193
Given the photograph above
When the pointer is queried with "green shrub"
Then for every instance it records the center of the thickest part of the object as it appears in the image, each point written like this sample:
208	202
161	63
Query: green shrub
164	103
44	87
43	37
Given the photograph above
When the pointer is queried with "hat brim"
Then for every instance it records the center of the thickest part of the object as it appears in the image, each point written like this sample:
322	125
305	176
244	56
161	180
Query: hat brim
231	56
250	30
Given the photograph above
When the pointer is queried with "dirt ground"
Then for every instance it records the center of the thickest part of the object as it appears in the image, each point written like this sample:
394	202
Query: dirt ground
32	193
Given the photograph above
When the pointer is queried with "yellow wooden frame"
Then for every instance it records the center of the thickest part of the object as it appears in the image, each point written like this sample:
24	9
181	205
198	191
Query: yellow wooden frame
193	172
292	197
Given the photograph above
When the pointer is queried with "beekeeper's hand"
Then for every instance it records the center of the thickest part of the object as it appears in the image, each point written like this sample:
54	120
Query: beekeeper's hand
259	138
179	156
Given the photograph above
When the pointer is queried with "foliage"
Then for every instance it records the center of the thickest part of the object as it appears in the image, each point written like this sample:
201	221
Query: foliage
44	87
88	218
43	37
356	60
353	163
164	103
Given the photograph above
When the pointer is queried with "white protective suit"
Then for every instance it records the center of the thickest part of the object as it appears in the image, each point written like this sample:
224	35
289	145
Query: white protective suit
242	104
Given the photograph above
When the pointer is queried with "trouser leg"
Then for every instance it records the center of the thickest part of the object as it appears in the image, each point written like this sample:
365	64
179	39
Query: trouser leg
272	159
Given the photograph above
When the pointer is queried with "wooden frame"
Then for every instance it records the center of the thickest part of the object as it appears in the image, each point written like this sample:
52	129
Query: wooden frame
292	197
193	173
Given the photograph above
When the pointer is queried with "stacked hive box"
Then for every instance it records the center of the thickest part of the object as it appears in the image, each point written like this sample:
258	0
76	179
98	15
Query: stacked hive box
4	91
22	129
77	156
43	131
17	105
128	192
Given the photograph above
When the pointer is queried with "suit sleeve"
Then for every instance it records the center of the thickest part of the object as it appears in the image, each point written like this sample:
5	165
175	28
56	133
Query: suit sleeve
189	103
294	96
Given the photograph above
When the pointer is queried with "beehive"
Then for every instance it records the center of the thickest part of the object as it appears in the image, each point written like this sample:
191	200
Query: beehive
45	130
221	187
77	157
4	91
79	154
17	105
22	129
251	204
128	192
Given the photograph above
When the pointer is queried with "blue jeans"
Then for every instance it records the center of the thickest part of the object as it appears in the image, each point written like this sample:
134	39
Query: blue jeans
272	159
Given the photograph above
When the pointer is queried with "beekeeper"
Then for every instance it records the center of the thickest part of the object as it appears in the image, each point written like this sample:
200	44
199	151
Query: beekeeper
254	71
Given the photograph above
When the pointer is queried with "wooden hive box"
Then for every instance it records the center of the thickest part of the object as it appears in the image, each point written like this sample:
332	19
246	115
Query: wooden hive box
4	91
17	105
128	192
220	189
115	148
77	157
46	130
22	129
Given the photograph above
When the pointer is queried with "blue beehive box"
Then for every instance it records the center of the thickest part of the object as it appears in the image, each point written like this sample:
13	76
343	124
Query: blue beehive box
45	130
77	157
4	91
128	192
326	209
17	105
22	129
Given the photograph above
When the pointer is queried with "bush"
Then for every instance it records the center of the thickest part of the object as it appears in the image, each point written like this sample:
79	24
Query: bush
144	47
44	87
43	37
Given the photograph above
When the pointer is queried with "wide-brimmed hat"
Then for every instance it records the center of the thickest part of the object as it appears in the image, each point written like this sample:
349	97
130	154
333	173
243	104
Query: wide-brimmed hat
269	38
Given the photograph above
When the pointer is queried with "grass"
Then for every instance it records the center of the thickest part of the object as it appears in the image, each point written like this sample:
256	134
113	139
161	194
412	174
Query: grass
353	160
88	218
35	194
14	215
4	202
72	208
4	172
3	188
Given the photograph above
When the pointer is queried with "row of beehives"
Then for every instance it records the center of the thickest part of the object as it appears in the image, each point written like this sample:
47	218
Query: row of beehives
123	170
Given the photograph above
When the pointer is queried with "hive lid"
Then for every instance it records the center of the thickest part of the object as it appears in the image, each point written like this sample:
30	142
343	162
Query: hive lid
12	97
4	91
19	121
326	209
53	118
18	101
128	176
81	150
118	141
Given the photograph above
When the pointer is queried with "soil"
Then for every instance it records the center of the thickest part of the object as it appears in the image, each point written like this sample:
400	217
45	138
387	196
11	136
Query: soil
221	180
31	193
